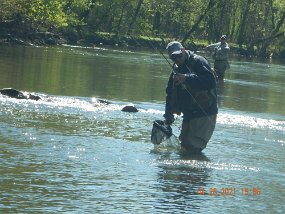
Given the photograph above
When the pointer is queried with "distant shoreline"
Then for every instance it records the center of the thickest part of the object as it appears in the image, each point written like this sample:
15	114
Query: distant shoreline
105	39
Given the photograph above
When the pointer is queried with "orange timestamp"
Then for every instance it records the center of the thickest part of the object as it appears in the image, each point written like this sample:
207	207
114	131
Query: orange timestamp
246	191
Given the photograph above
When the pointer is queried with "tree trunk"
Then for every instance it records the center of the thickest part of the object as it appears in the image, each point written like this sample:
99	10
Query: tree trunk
195	26
135	16
242	27
156	23
265	42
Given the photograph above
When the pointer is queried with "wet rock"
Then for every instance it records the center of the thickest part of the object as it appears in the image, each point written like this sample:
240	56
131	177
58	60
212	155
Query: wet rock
129	109
104	101
13	93
33	97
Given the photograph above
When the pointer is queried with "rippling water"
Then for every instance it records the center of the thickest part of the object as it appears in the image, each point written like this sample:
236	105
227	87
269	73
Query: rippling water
67	153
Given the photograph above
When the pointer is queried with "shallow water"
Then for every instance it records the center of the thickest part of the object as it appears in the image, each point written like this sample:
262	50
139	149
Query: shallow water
67	153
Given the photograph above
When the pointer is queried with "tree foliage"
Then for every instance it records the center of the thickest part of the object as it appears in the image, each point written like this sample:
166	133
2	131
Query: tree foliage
257	25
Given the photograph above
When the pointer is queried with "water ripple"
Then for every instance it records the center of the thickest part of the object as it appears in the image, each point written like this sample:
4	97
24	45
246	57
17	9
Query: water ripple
208	165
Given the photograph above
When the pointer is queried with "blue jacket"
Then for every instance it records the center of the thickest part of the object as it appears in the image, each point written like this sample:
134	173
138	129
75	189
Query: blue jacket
197	96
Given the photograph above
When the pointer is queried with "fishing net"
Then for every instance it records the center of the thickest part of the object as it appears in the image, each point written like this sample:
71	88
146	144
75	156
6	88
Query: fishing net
160	131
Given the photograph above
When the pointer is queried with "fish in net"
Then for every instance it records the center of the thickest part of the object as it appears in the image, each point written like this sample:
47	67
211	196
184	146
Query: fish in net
160	131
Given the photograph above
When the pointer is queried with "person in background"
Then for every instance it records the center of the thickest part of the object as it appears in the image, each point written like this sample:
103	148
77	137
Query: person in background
221	50
191	90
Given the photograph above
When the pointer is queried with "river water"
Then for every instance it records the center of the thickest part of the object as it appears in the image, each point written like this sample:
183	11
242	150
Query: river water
66	153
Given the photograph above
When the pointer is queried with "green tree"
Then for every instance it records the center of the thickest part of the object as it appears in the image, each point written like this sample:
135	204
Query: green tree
257	25
45	14
9	9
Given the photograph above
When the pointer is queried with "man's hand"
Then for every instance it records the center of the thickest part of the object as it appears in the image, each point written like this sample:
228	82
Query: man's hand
169	120
179	78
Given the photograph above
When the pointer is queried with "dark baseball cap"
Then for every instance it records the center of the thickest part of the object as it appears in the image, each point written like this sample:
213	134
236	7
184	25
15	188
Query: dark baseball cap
174	48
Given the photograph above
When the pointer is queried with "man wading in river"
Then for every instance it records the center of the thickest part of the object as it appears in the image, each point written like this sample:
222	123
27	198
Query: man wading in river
191	90
220	56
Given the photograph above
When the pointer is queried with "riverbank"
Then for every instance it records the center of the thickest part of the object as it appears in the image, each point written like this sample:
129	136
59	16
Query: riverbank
113	40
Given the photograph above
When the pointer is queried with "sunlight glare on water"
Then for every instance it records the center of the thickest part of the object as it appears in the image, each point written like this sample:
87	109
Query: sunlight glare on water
71	153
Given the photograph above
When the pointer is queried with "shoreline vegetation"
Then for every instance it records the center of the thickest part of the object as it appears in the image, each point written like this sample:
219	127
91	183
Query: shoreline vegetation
253	28
100	39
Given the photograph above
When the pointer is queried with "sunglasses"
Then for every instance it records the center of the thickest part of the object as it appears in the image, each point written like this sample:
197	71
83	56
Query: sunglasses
175	56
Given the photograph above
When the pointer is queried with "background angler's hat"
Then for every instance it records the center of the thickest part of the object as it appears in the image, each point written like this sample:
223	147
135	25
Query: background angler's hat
174	48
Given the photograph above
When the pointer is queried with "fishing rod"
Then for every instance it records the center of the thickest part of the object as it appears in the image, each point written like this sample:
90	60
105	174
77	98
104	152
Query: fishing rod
171	65
152	45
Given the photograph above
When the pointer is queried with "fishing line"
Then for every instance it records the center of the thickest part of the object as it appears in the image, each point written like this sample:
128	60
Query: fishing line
153	46
196	100
171	65
202	109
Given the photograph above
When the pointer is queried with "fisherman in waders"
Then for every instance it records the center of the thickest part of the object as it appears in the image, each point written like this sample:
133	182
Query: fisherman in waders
191	90
221	50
